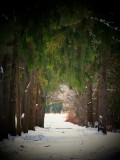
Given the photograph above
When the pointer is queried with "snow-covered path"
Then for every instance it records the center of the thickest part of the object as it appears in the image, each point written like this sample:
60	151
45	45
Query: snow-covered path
61	140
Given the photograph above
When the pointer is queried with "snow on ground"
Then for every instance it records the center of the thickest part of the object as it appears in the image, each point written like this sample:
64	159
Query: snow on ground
61	140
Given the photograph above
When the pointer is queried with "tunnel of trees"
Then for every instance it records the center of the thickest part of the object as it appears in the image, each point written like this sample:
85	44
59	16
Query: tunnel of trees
44	45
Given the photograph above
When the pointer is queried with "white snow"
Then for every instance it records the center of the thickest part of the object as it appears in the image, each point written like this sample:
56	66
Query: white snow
1	70
61	140
28	85
23	115
100	116
96	124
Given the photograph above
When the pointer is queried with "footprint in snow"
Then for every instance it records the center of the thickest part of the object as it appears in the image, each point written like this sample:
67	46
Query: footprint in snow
47	146
22	146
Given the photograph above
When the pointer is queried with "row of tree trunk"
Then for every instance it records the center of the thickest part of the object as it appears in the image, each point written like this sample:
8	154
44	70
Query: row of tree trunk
91	110
101	99
22	104
104	109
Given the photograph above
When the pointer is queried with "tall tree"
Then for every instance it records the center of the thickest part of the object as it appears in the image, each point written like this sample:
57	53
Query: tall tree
102	94
26	101
6	92
18	97
12	101
89	105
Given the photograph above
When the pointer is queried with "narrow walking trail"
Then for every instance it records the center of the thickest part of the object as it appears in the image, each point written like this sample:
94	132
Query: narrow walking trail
61	140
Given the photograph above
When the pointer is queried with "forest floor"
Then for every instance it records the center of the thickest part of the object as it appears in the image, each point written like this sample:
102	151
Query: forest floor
61	140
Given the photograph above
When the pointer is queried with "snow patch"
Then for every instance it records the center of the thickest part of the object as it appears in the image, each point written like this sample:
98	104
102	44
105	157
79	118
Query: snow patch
62	140
23	115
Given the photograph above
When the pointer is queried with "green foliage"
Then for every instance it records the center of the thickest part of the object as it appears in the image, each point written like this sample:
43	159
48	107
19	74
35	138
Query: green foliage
64	43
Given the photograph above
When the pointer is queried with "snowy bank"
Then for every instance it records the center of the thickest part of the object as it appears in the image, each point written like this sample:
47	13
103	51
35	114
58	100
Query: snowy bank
61	140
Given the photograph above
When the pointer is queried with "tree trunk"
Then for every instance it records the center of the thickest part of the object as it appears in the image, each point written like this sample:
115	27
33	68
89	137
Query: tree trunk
43	104
89	105
102	95
1	109
32	102
6	93
38	107
12	103
18	98
5	63
96	109
40	111
26	101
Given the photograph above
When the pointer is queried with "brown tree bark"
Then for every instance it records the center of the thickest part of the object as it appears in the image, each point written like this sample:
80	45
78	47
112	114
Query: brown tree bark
5	62
96	106
38	107
40	102
26	101
1	109
12	102
6	93
89	105
18	98
1	100
102	95
43	105
32	102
